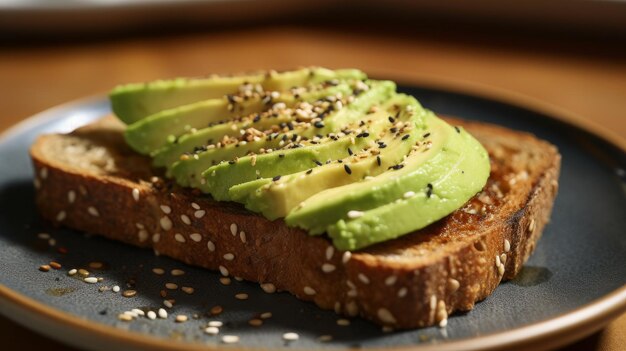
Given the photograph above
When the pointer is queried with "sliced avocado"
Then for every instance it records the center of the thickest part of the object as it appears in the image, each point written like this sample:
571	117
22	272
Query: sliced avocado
300	156
133	102
275	198
434	180
188	171
199	139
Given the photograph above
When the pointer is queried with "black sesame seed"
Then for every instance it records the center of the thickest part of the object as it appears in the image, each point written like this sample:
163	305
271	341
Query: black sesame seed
294	137
406	136
309	171
277	178
319	124
349	152
429	190
281	155
426	135
396	167
457	129
393	129
378	160
317	162
231	99
347	168
391	119
339	161
231	162
256	118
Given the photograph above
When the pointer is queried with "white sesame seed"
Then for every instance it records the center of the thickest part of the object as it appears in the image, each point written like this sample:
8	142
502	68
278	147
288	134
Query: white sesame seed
166	209
167	303
386	316
241	296
159	271
216	324
363	278
171	286
199	213
453	284
52	241
343	322
346	257
266	315
181	318
156	237
143	235
162	313
188	290
180	238
230	339
125	317
355	214
325	338
507	245
212	330
135	194
229	257
498	262
330	251
443	323
72	271
268	288
195	237
43	236
195	206
291	336
327	268
185	219
166	223
151	315
224	271
177	272
60	216
93	211
433	302
391	280
503	258
408	194
233	229
210	246
138	312
309	290
242	236
501	269
90	280
43	173
116	289
531	225
71	196
402	292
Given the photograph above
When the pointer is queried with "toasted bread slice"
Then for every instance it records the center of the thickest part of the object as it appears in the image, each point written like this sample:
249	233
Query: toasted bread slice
413	281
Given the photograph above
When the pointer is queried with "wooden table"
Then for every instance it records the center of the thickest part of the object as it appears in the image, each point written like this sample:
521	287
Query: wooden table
582	79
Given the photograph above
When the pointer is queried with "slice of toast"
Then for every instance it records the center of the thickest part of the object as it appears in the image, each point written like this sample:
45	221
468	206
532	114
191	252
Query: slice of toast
92	181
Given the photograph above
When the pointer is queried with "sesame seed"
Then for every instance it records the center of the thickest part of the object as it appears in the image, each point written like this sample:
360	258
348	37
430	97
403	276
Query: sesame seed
355	214
44	268
498	262
166	209
233	229
242	236
330	250
223	270
162	313
229	257
36	183
72	272
156	237
195	206
385	316
230	339
43	236
352	308
166	223
93	211
309	290
501	269
241	296
151	315
135	193
90	280
391	280
216	324
181	318
61	216
171	286
71	196
453	284
199	213
255	322
325	338
188	290
291	336
159	271
443	323
179	237
343	322
83	272
363	278
531	225
346	257
225	280
268	288
402	292
507	245
347	169
215	310
143	235
168	303
138	312
327	268
503	258
43	173
55	265
212	330
185	219
210	245
125	317
127	293
96	265
115	289
195	237
177	272
266	315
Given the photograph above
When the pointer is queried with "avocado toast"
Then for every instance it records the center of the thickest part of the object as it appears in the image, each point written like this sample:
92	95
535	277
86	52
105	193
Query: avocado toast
413	280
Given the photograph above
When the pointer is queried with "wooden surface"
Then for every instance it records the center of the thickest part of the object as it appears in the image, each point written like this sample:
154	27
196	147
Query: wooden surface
584	78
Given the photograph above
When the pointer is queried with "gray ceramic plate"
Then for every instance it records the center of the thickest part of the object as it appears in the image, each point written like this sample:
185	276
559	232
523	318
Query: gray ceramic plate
572	285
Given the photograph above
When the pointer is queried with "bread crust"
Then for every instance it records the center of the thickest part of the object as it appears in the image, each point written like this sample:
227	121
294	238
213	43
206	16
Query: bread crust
413	281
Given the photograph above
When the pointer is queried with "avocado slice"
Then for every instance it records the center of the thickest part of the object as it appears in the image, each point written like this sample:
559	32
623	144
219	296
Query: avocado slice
198	139
434	180
133	102
187	172
303	155
275	198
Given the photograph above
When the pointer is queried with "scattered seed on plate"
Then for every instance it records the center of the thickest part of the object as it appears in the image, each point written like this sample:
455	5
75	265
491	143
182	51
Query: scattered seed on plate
159	271
90	280
138	312
44	268
181	318
215	324
129	293
255	322
43	236
291	336
225	280
55	265
125	317
343	322
230	339
72	272
162	313
171	286
116	289
187	289
215	310
266	315
167	303
212	330
325	338
83	272
241	296
151	315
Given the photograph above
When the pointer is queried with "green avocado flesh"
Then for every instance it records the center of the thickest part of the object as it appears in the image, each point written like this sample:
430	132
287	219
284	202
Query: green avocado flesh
329	151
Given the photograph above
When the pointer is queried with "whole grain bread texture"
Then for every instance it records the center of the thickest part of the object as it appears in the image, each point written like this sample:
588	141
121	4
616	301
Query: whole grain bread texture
90	180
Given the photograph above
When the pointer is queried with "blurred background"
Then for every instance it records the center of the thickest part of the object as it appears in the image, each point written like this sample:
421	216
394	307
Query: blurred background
565	57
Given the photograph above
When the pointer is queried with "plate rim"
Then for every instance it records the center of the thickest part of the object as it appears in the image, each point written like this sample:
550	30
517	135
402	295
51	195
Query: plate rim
554	332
